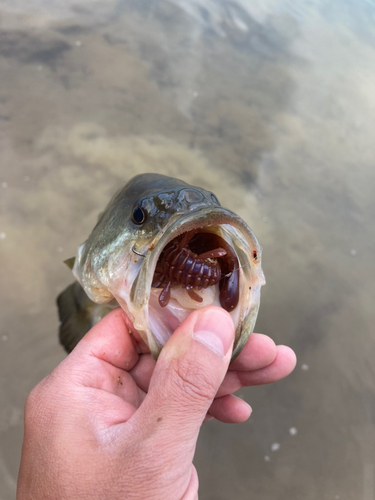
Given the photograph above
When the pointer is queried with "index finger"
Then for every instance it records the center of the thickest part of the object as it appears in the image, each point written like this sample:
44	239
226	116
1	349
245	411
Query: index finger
111	341
258	352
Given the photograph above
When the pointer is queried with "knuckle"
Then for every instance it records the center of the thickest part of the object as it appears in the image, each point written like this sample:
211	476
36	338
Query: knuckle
32	400
32	406
36	405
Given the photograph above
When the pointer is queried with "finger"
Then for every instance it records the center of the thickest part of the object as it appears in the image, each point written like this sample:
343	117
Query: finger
108	409
143	370
101	359
259	351
110	341
281	367
230	409
188	373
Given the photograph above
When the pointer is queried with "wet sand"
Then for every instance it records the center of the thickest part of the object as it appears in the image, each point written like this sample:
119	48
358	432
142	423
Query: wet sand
271	106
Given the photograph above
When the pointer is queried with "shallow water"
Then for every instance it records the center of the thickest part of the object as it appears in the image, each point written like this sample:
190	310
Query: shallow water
269	104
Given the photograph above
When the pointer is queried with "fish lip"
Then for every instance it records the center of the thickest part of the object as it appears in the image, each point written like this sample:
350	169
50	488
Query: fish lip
199	219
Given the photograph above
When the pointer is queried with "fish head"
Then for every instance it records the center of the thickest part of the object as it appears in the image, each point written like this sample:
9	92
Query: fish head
164	201
119	259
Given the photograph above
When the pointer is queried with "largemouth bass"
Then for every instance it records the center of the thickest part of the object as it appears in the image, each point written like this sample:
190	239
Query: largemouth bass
161	249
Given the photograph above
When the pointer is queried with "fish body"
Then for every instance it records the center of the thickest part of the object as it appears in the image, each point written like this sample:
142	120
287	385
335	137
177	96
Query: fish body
118	264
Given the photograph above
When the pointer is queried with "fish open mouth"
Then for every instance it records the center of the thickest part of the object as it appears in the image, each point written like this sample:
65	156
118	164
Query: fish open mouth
195	261
196	269
206	258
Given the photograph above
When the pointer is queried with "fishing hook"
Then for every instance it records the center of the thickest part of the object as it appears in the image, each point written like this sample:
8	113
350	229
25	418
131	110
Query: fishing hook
137	253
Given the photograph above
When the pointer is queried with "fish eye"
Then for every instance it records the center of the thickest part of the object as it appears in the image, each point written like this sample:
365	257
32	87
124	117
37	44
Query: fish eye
138	215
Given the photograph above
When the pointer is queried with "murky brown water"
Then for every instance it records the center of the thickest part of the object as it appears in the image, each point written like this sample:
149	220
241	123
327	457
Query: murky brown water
270	104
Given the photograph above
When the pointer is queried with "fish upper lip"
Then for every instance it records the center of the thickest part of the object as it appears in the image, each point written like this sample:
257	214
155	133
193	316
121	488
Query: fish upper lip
210	216
179	224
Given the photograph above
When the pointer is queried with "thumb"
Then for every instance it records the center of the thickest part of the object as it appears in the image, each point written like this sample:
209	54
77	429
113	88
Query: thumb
188	374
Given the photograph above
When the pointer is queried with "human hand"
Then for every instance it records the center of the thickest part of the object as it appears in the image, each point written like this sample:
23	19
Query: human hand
109	422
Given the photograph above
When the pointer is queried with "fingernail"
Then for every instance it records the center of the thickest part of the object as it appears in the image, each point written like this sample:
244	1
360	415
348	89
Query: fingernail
215	329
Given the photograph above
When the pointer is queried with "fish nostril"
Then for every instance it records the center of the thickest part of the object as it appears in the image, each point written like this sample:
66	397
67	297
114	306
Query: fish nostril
166	200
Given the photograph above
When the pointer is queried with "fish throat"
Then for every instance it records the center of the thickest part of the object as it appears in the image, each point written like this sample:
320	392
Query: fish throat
198	260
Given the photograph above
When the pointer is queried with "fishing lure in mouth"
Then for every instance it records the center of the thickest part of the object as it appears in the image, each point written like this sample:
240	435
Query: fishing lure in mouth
160	250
